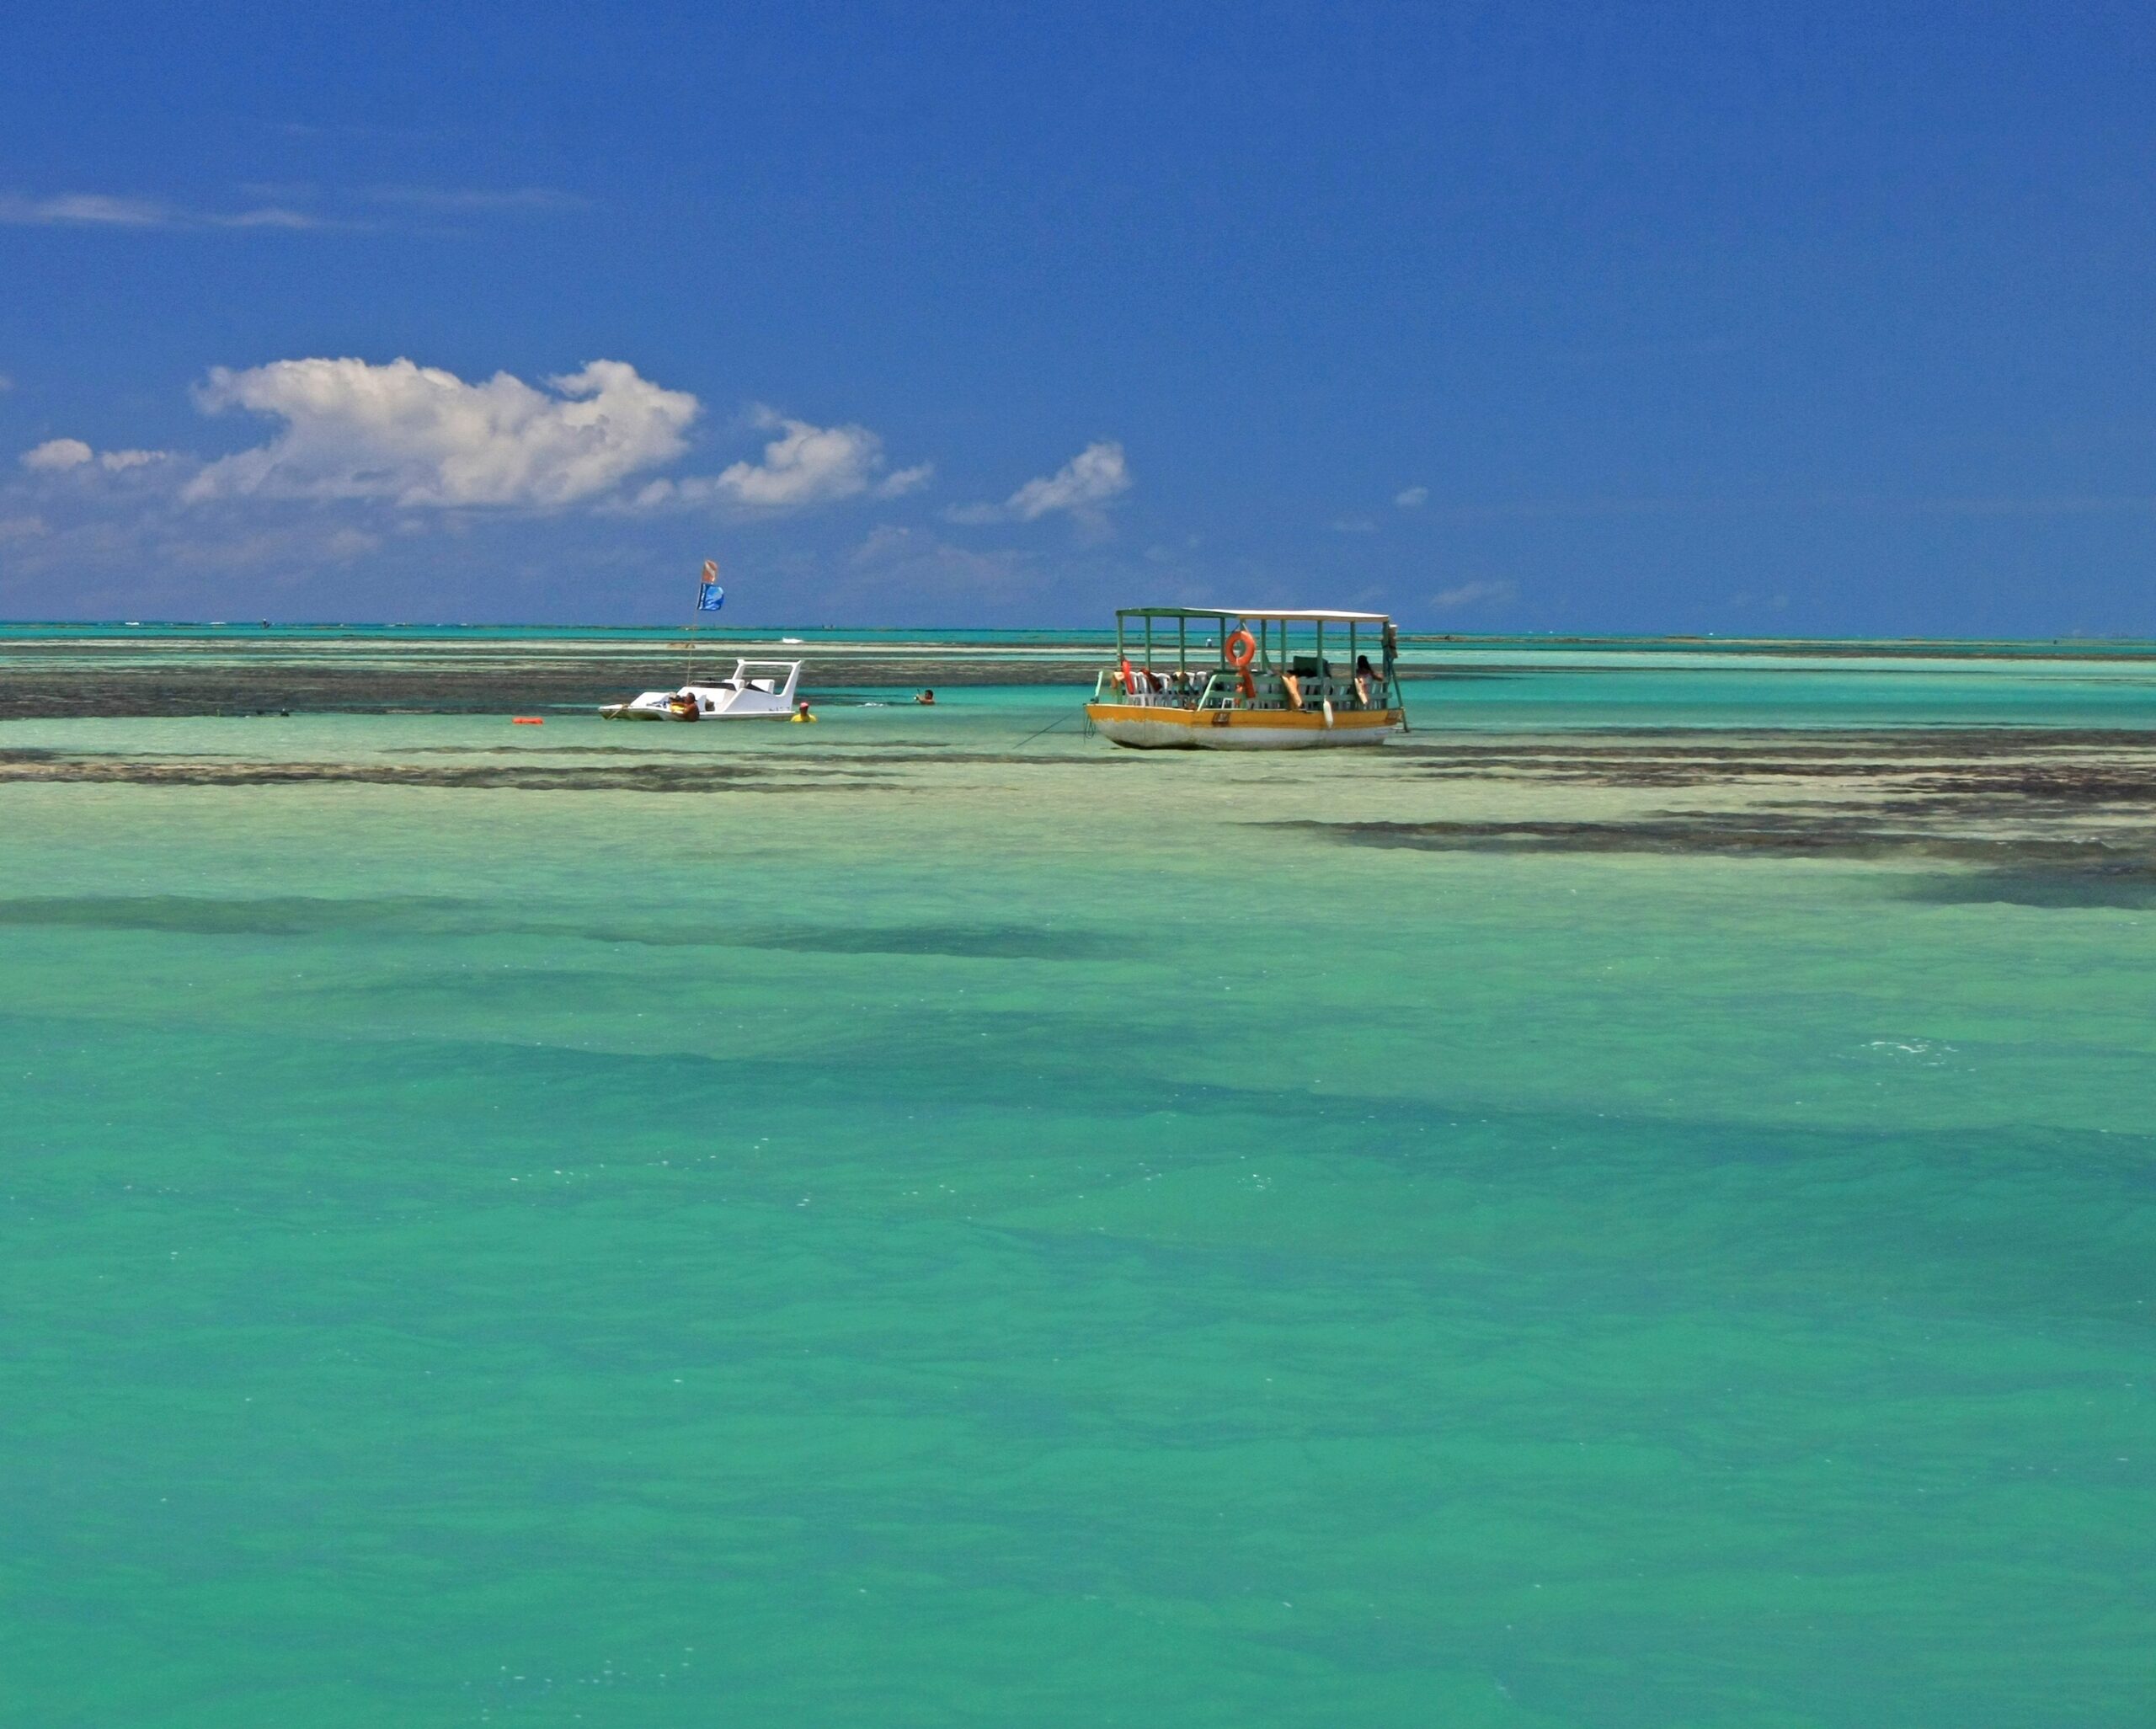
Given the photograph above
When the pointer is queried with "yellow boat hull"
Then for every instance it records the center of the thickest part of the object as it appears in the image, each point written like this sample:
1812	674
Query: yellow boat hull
1143	727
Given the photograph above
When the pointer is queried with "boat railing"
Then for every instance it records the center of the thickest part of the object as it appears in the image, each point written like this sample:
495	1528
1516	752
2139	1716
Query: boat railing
1174	690
1223	688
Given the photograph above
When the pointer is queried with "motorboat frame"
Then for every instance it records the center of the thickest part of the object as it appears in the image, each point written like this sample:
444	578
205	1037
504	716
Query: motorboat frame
757	690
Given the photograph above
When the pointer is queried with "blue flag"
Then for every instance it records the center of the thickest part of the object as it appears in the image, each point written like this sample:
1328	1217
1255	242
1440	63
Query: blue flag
710	597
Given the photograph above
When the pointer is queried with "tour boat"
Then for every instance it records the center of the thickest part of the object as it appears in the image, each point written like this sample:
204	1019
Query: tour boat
1231	678
759	689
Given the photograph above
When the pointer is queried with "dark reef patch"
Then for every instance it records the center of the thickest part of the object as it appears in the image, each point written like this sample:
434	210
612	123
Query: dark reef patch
641	775
66	679
2130	889
963	942
2126	858
2014	768
1038	942
211	916
425	916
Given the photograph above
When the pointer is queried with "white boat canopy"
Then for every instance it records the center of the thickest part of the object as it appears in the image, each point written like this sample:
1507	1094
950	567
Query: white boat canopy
1299	614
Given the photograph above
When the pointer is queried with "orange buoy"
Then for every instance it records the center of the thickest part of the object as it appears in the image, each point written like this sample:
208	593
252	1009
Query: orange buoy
528	720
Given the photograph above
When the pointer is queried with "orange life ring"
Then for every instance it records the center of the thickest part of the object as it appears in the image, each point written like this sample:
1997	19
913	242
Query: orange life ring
1242	649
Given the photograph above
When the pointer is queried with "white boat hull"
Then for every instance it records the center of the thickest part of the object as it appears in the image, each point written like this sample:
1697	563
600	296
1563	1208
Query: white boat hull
638	710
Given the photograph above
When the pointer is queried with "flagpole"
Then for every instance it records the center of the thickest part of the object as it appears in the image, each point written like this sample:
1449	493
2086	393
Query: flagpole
703	587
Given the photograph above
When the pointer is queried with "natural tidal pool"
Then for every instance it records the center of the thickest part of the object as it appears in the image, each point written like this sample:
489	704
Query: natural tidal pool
1610	1211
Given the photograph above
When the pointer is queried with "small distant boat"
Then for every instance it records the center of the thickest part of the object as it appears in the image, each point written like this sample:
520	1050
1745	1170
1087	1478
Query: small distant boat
759	689
1246	689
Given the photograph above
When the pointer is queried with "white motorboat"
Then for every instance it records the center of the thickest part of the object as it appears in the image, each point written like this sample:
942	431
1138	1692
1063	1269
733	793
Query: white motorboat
759	689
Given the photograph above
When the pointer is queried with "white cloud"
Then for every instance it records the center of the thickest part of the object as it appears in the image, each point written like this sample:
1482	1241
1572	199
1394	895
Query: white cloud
282	206
459	199
1092	477
885	542
1471	593
56	456
418	436
1082	486
84	210
901	481
268	217
1354	525
920	574
303	543
804	465
7	384
22	528
60	455
105	210
1412	498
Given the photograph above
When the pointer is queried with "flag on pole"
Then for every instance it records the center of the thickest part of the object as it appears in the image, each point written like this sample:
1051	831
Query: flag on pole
710	597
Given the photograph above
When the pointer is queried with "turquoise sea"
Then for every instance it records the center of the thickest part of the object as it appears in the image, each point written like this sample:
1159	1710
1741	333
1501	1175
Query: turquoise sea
915	1220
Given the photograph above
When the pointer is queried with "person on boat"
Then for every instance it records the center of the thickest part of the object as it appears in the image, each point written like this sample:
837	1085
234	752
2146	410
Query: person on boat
1366	679
927	699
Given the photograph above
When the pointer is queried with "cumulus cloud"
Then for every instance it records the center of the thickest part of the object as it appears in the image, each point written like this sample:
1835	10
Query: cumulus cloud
56	456
59	455
1412	498
1472	593
420	435
1082	486
804	465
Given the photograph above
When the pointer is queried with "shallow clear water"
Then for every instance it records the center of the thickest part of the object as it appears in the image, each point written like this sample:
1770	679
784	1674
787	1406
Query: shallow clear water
958	1230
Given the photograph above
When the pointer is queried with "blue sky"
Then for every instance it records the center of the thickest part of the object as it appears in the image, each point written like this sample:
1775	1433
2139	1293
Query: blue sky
1752	320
